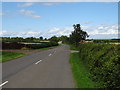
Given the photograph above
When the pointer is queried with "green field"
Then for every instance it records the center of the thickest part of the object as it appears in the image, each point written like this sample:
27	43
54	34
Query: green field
7	55
80	73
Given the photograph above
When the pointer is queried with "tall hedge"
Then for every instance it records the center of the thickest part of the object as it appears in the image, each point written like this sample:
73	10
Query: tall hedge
103	62
13	45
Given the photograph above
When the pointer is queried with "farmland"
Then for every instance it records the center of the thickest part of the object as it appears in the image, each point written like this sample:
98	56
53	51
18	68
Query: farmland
16	47
28	43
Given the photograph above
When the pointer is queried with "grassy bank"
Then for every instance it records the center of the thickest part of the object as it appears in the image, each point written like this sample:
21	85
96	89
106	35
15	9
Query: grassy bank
7	55
80	73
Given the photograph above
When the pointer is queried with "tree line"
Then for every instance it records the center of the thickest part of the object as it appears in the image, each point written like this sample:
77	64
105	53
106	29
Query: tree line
74	38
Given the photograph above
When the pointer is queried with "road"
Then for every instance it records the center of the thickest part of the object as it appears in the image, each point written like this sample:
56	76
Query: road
45	69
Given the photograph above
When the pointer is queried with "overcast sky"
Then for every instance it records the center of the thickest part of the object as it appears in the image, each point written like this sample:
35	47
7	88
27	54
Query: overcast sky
26	19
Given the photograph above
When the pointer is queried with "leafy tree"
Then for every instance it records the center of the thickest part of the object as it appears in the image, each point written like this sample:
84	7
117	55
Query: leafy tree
64	39
77	35
30	39
45	39
41	38
54	39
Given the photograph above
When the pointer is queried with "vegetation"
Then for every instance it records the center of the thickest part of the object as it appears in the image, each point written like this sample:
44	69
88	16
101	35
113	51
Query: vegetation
54	39
73	47
7	55
12	45
98	61
80	73
106	40
16	45
64	39
21	39
103	62
77	35
43	45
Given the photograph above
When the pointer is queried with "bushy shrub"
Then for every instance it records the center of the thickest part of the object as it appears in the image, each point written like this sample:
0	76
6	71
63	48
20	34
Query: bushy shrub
103	61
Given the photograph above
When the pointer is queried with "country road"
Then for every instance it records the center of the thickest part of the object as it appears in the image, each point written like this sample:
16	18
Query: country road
44	69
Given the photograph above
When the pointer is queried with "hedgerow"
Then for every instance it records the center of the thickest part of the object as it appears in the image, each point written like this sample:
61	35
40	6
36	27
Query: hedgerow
42	45
15	45
103	62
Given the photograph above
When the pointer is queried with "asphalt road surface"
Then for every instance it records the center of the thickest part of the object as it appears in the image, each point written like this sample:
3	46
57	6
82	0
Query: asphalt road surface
45	69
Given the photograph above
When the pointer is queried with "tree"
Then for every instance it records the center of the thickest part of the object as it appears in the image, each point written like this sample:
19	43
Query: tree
41	38
54	39
30	39
77	35
64	39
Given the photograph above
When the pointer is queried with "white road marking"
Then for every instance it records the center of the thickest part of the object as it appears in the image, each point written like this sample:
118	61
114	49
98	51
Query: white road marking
50	54
38	61
3	83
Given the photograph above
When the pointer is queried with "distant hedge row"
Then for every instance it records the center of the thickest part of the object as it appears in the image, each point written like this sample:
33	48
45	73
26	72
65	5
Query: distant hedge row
43	45
16	45
103	61
13	45
107	41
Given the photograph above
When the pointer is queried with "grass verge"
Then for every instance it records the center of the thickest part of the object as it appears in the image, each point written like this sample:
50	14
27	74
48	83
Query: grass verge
80	73
7	55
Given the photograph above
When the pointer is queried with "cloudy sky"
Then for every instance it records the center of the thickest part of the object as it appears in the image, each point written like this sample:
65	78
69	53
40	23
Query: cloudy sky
26	19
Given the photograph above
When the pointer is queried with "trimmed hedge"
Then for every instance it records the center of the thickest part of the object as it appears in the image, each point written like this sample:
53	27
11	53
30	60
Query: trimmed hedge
16	45
103	61
43	45
13	45
107	41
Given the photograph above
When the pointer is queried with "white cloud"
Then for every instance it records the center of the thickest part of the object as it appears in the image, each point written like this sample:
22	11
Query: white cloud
30	34
25	4
101	31
29	13
2	32
5	33
97	31
59	31
28	4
